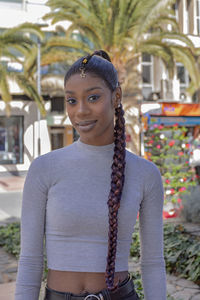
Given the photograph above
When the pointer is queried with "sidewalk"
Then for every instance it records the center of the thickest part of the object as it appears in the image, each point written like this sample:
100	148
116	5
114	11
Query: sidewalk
11	183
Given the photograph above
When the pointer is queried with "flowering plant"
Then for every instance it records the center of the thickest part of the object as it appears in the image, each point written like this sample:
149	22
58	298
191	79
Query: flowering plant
168	148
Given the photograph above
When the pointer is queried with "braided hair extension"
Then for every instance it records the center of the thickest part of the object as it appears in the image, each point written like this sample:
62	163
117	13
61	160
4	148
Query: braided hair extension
99	63
117	183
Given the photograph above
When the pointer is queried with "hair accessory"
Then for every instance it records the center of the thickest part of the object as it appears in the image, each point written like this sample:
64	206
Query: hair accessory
82	68
84	61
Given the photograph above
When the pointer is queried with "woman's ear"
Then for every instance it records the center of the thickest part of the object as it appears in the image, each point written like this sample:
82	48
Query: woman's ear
117	96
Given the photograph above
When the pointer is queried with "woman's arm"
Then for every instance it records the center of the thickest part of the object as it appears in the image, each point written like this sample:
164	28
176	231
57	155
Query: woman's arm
30	266
151	237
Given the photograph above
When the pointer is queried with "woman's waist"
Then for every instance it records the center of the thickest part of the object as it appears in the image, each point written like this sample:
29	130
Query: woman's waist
80	282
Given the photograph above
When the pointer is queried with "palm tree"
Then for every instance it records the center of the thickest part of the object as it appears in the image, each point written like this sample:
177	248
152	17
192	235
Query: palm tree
125	29
14	44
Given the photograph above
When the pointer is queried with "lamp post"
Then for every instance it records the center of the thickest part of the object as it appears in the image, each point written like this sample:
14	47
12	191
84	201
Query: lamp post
39	91
41	25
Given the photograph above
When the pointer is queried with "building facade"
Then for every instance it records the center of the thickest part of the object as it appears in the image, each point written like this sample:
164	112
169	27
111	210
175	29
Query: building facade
25	134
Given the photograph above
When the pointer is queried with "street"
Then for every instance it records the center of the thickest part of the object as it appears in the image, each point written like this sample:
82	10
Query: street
10	205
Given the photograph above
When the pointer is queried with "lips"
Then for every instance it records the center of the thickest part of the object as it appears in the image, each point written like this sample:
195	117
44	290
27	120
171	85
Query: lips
86	125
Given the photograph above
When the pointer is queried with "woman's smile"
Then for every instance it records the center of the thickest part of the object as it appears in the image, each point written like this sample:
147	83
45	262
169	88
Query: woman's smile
86	126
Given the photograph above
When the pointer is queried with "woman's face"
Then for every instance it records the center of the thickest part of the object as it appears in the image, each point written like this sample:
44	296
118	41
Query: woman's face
91	106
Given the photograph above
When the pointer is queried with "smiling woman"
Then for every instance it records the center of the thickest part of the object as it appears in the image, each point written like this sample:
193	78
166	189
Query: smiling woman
85	198
91	108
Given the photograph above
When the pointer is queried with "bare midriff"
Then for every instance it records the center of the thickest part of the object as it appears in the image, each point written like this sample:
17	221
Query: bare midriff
80	282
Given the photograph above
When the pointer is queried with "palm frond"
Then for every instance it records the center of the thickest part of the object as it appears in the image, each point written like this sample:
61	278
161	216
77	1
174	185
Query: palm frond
30	90
4	87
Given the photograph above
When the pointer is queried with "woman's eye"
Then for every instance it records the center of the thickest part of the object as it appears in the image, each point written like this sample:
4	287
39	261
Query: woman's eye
71	101
93	98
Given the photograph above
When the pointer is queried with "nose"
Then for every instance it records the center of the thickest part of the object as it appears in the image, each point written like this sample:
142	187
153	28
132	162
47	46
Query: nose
83	108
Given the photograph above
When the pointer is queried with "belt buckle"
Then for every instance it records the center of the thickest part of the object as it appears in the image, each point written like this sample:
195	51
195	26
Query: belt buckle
95	296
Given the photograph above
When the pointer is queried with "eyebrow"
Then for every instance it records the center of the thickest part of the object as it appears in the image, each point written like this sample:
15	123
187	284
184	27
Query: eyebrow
88	90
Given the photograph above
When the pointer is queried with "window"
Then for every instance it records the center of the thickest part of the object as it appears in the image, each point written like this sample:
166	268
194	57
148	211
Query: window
183	77
147	75
57	137
198	17
57	105
11	140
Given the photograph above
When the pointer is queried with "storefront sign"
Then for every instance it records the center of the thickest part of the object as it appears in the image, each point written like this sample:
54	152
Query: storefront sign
181	121
180	109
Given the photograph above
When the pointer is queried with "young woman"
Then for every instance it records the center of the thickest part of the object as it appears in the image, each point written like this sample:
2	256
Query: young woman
84	198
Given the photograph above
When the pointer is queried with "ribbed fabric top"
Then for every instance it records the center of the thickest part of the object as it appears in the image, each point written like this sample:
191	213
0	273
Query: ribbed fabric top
65	202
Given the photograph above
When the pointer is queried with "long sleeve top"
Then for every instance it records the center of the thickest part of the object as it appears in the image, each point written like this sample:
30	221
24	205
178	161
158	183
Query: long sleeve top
65	204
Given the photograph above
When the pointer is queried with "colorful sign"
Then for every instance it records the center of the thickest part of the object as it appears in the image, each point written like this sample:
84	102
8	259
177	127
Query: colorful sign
180	109
169	121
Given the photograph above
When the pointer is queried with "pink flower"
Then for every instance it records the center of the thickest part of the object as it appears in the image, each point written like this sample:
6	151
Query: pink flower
151	142
172	191
171	143
160	127
180	153
167	181
158	146
182	189
187	162
155	125
179	200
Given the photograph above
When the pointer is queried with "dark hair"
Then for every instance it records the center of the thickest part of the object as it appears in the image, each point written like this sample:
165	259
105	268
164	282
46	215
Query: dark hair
99	63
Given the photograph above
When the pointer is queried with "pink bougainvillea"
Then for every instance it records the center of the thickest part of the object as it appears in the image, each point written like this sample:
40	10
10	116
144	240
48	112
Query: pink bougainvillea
171	143
182	189
180	153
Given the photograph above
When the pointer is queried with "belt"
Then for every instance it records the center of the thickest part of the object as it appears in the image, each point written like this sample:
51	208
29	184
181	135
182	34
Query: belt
122	291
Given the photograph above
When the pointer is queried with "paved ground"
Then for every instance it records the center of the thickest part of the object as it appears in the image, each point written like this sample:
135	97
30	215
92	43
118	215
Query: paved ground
180	289
11	183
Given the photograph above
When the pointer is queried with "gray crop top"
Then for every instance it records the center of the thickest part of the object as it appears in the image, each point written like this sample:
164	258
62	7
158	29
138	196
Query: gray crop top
65	201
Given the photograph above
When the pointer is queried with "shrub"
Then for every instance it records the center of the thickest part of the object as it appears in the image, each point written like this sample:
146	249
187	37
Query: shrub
182	252
191	205
10	238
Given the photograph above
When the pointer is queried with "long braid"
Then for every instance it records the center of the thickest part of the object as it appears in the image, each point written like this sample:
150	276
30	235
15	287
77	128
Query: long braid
117	182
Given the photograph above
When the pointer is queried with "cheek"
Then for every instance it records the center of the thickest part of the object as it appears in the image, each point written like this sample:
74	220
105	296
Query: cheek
107	109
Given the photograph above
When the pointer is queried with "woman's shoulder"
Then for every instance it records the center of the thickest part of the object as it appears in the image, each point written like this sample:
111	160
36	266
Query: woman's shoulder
140	164
47	160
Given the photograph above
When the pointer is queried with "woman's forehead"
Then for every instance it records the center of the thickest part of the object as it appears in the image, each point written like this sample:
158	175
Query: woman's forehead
89	81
